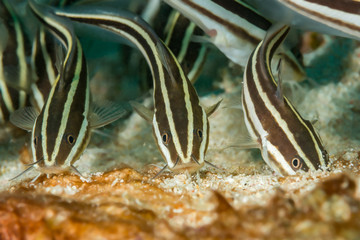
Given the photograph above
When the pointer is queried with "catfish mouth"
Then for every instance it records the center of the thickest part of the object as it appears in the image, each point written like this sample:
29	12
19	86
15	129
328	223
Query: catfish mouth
54	169
189	167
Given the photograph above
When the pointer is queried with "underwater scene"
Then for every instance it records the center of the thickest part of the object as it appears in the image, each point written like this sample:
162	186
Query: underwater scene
179	119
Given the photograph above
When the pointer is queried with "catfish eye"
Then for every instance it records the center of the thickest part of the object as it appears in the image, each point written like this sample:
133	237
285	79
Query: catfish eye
296	163
199	133
165	138
70	139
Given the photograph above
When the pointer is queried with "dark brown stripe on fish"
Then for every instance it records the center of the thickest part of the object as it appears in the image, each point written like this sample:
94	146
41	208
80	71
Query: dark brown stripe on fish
321	16
176	36
43	81
4	110
349	6
177	104
233	28
244	12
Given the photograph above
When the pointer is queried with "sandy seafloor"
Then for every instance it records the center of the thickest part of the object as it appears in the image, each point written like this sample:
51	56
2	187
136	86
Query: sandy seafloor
242	200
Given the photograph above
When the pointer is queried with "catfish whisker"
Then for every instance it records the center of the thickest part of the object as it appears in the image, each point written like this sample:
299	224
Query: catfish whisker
26	170
212	165
77	172
35	178
194	159
162	170
177	161
34	163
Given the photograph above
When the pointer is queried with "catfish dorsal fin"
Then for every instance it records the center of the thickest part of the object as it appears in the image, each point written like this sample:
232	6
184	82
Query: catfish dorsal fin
24	118
60	56
164	55
210	110
143	111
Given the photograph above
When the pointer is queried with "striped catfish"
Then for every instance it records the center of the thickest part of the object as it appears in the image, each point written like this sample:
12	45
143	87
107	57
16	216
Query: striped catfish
234	28
178	32
336	17
288	143
14	69
180	124
61	131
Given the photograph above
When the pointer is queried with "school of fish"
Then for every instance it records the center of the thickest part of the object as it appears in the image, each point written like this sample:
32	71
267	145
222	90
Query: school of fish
45	85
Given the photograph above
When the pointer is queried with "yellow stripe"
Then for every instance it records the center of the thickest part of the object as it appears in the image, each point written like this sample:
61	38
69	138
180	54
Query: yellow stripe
44	125
199	60
33	150
4	88
49	68
2	118
170	26
20	52
203	143
39	98
186	42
